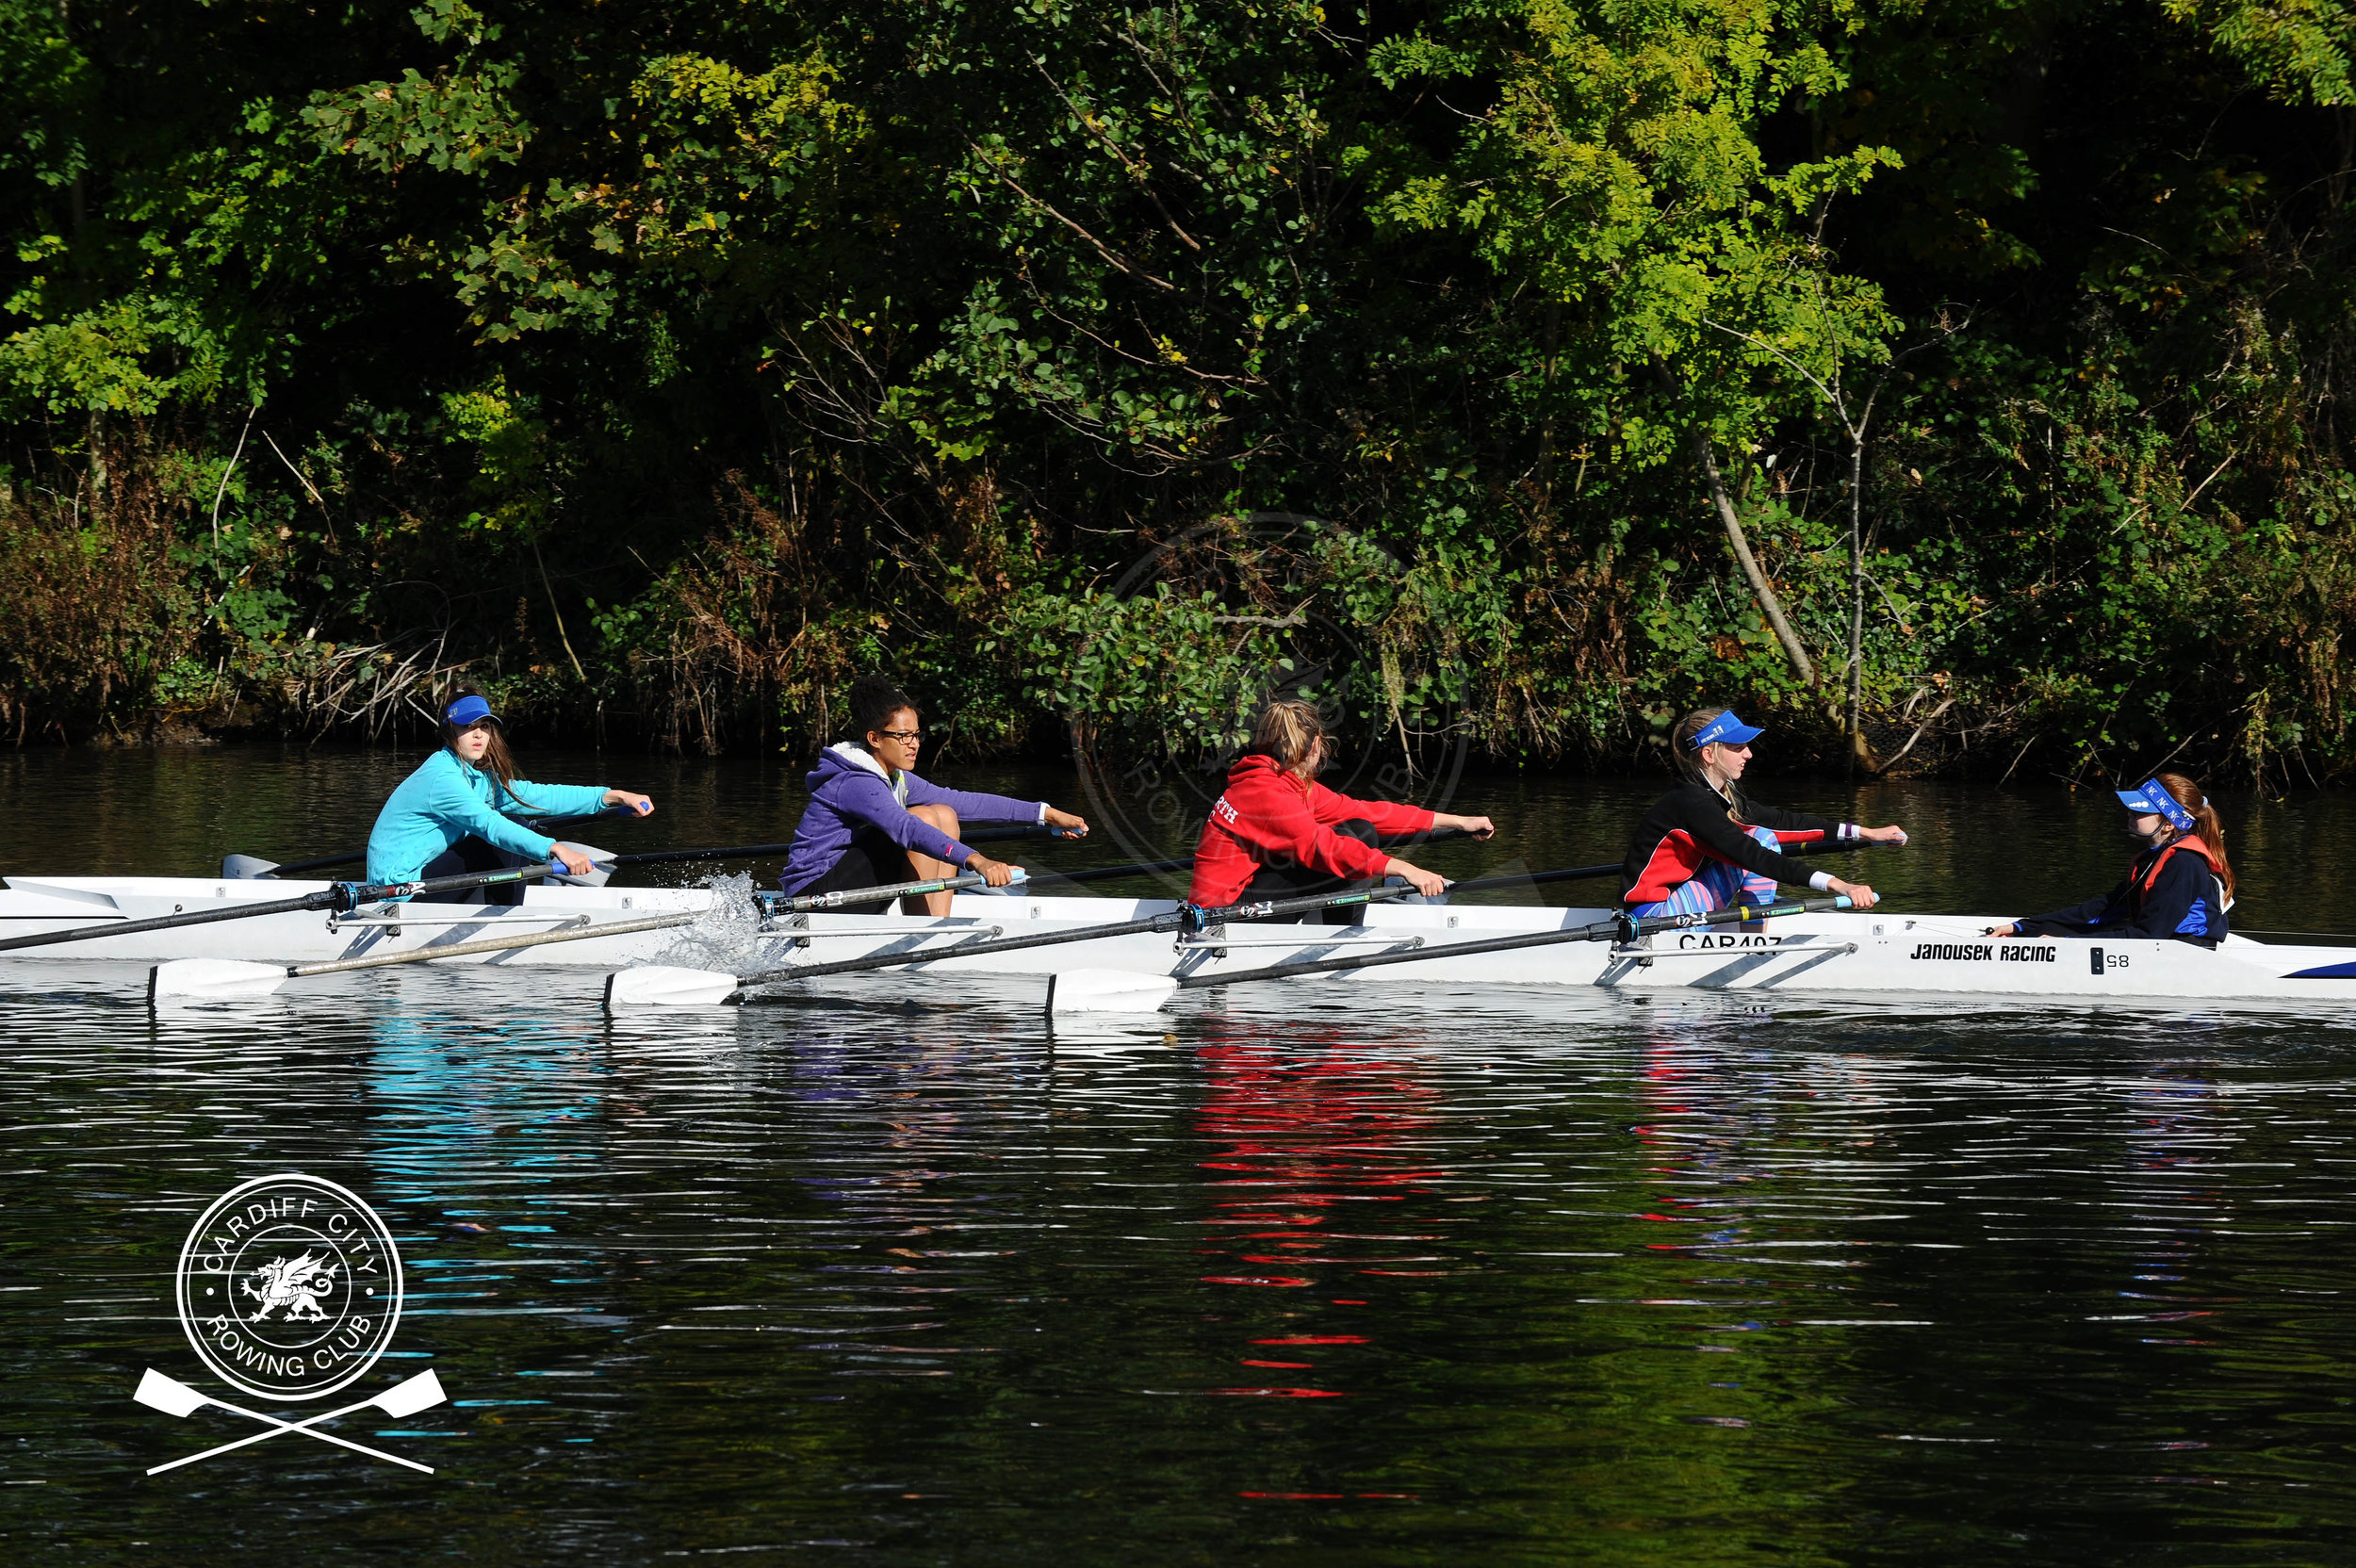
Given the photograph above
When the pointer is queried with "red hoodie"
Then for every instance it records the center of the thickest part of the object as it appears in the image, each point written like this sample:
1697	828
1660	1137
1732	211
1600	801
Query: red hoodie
1271	817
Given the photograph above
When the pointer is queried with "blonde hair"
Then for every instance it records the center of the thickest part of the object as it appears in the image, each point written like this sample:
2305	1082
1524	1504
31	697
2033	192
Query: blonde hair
1689	761
2206	824
1289	731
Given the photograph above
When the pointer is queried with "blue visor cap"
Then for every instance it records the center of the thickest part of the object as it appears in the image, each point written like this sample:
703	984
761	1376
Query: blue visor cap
2150	797
470	711
1729	730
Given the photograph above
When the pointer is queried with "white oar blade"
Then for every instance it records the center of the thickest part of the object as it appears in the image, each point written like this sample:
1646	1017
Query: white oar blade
213	978
412	1394
1106	991
168	1394
245	868
665	986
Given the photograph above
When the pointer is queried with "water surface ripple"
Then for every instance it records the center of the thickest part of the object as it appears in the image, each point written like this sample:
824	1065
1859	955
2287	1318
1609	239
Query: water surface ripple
1608	1281
889	1275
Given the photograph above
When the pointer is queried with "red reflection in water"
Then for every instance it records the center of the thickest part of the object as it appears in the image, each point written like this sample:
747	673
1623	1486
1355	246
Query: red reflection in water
1302	1134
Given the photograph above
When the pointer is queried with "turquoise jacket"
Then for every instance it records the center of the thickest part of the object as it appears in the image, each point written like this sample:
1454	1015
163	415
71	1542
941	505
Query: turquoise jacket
447	799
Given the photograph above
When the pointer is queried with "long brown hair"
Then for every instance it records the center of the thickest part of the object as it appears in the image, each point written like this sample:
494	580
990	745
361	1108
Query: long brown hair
1288	729
496	760
2206	824
1689	761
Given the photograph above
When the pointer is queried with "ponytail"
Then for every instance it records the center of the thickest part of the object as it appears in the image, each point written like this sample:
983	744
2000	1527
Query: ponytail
1288	730
2206	824
1689	761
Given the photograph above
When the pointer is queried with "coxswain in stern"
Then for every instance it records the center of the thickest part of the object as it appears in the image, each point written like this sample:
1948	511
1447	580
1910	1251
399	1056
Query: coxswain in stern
2180	885
1277	833
456	813
1705	845
870	821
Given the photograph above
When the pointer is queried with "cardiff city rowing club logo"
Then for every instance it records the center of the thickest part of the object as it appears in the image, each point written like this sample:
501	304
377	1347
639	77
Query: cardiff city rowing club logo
289	1289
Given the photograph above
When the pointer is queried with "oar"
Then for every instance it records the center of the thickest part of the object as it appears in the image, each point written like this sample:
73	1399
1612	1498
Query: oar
1126	991
223	979
174	1398
1802	852
246	868
664	985
343	897
1035	830
808	902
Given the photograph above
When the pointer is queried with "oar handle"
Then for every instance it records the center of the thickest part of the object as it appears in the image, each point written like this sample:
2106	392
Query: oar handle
347	896
837	899
1031	830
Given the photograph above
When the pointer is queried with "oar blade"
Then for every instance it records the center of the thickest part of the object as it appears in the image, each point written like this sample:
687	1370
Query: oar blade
1106	991
168	1394
412	1394
666	986
212	980
245	868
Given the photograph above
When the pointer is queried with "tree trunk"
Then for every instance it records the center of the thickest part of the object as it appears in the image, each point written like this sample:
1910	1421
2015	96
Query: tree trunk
1760	589
1858	749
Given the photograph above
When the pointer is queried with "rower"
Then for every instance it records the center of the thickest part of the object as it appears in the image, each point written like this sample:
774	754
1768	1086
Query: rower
1706	845
1277	833
2180	885
870	821
445	819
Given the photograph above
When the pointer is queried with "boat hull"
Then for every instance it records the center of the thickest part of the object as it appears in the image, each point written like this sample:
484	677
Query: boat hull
1838	952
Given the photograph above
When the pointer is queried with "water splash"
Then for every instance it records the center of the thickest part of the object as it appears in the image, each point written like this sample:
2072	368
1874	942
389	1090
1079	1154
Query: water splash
723	936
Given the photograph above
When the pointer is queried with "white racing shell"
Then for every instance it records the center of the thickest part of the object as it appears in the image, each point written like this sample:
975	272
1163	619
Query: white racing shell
1836	953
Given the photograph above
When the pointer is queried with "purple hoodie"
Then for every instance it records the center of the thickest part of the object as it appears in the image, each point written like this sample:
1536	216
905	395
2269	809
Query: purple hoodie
849	789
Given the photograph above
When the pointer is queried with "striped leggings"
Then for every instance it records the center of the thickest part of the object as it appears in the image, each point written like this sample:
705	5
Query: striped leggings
1717	886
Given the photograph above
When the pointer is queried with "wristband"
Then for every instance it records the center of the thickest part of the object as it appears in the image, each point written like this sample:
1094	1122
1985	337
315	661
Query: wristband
1820	880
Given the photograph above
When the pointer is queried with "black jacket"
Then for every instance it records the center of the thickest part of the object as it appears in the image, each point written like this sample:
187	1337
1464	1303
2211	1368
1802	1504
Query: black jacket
2169	891
1688	826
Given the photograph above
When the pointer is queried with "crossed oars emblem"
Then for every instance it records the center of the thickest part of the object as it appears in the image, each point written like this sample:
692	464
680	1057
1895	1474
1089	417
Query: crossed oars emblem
404	1398
289	1289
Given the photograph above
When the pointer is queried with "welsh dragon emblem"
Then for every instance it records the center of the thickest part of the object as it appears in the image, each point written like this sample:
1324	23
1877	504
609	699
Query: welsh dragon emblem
291	1286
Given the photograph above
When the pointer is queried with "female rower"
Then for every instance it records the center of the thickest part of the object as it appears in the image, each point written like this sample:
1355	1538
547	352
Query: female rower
447	818
1277	833
1705	845
870	821
2167	893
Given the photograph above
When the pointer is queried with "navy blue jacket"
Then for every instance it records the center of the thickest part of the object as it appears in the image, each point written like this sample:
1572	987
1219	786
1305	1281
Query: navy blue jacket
2183	901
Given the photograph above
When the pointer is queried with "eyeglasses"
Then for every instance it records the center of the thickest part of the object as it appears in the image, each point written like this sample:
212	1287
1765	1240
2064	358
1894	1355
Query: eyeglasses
911	736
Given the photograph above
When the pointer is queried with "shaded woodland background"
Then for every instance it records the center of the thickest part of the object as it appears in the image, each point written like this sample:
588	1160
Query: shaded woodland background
1097	368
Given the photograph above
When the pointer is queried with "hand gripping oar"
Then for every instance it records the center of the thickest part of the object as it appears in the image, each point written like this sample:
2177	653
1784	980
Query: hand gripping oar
404	1398
246	868
663	986
223	979
1124	991
342	897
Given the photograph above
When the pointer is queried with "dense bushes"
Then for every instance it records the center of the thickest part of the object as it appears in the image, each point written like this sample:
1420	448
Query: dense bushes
1097	368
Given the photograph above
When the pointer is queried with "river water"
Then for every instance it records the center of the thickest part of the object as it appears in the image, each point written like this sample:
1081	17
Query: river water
891	1277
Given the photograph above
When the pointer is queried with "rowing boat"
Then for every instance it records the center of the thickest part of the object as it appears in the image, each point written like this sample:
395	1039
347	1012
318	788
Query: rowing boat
1876	952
